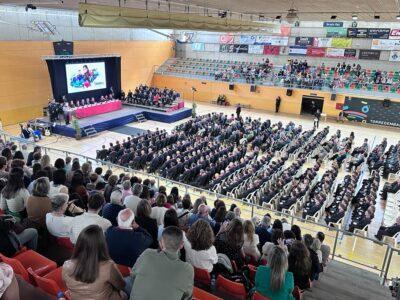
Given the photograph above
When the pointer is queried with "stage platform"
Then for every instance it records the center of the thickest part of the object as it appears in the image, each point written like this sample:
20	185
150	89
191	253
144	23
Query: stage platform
126	115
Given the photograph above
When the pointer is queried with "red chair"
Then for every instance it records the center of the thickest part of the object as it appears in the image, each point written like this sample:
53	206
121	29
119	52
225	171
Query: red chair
258	296
51	283
202	276
16	266
125	270
39	264
199	294
297	293
234	289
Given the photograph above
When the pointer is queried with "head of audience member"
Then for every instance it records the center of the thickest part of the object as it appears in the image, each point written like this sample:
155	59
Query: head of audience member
75	165
301	256
59	203
220	214
266	222
278	262
186	203
171	218
3	163
41	187
321	236
276	235
308	240
162	190
235	233
233	206
18	155
108	174
277	225
297	232
59	164
68	160
116	198
98	171
196	205
201	235
316	245
161	200
95	202
143	209
171	239
203	211
15	182
113	180
45	161
126	185
137	189
249	229
6	152
100	185
145	193
237	212
90	250
126	218
229	216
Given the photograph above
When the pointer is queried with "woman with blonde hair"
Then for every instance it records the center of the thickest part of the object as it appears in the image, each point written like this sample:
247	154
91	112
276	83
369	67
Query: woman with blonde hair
251	240
273	280
45	161
316	246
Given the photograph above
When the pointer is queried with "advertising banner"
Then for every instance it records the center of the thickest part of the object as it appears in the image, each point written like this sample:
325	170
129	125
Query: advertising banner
240	48
385	44
304	41
369	54
297	50
226	48
333	24
322	42
394	34
226	39
378	33
247	39
350	53
341	43
357	32
198	47
272	40
336	32
285	30
271	50
256	49
315	52
394	55
334	52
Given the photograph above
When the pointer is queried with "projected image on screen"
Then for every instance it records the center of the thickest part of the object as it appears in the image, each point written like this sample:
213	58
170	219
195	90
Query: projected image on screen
85	77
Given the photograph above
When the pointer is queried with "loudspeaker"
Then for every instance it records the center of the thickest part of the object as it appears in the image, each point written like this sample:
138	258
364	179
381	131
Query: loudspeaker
386	103
289	92
231	86
333	97
63	48
253	88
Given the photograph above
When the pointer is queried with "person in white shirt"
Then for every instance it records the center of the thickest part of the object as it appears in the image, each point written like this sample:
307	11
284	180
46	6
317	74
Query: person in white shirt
91	217
199	248
132	201
58	184
57	223
251	240
158	212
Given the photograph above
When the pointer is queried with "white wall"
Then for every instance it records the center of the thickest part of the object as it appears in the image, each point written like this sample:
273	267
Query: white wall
15	23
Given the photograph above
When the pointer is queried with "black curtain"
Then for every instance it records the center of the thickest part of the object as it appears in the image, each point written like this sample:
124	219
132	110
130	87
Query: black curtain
59	82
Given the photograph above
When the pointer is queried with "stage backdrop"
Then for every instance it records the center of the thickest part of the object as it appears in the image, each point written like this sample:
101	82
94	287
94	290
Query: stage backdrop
372	111
84	77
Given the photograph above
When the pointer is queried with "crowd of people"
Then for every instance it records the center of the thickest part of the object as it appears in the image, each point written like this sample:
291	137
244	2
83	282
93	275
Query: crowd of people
121	220
247	72
152	96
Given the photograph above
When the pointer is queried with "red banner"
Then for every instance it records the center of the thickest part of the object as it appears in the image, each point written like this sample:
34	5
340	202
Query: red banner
226	39
316	52
271	50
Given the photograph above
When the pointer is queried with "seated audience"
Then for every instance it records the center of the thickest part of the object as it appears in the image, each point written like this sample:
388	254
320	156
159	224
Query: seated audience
315	263
90	273
251	240
159	210
127	240
388	231
273	280
171	278
132	201
57	223
199	248
91	217
142	218
39	204
300	265
110	210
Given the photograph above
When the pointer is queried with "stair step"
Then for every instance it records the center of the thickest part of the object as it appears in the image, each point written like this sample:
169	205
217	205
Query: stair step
141	118
90	131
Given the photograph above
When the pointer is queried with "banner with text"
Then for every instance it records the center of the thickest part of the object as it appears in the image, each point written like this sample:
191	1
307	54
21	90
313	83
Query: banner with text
373	33
271	50
198	47
247	39
336	32
297	50
341	43
333	24
341	53
316	52
256	49
385	44
272	40
322	42
304	41
369	54
394	34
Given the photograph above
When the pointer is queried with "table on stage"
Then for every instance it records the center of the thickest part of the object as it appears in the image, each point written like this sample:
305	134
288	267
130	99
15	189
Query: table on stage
97	109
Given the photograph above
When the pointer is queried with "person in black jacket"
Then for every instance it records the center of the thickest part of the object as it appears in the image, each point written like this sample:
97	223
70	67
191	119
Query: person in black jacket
143	219
277	104
388	231
238	111
300	264
315	265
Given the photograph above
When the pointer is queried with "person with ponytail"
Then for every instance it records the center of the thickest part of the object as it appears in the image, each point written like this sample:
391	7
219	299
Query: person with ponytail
273	280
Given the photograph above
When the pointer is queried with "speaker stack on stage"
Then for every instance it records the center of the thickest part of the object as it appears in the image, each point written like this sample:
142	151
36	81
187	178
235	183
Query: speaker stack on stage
231	86
289	92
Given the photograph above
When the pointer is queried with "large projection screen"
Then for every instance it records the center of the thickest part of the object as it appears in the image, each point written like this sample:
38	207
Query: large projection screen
84	77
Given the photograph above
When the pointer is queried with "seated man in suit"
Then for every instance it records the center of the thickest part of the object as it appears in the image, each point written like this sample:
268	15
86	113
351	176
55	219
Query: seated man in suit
388	231
390	188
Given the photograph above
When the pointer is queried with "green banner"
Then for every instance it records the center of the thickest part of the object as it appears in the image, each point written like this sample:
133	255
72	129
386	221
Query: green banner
336	32
341	43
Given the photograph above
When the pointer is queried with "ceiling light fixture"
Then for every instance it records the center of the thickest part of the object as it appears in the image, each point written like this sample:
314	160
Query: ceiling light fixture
354	17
